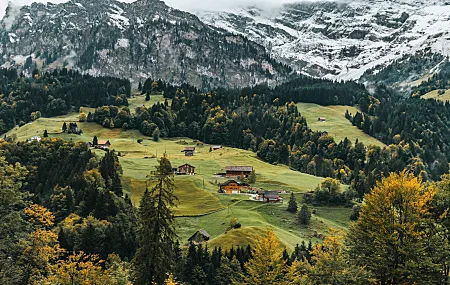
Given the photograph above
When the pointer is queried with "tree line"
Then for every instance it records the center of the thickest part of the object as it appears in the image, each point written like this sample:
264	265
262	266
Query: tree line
24	99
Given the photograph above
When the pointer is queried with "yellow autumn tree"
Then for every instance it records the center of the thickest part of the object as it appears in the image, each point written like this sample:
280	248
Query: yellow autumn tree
330	264
170	280
267	265
41	247
393	236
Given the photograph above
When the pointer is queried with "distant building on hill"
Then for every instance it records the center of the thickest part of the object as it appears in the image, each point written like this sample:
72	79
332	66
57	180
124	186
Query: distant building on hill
35	138
199	237
322	119
236	171
216	147
189	150
103	144
186	169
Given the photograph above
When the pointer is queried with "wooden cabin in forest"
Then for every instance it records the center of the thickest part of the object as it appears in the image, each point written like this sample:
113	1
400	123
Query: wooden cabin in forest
236	171
186	169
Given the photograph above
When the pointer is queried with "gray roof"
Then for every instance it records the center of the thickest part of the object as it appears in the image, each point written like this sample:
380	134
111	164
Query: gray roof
271	194
239	168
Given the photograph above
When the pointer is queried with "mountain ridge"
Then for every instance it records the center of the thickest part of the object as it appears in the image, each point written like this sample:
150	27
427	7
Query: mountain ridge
135	40
341	39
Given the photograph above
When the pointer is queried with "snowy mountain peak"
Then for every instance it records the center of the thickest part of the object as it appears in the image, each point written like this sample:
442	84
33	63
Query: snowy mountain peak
341	39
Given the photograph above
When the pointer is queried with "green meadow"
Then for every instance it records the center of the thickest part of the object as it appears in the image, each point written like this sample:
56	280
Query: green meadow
336	124
200	205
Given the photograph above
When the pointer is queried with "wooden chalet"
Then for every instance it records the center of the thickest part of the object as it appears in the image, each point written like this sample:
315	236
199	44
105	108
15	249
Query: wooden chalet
186	169
233	187
269	197
322	119
236	171
189	150
199	237
103	144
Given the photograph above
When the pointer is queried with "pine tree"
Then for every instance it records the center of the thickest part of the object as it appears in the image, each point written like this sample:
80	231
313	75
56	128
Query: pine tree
156	134
292	206
156	236
95	140
90	117
147	96
140	86
45	134
64	127
304	216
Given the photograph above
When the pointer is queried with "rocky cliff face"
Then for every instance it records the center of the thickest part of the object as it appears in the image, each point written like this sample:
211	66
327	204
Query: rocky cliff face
137	40
342	39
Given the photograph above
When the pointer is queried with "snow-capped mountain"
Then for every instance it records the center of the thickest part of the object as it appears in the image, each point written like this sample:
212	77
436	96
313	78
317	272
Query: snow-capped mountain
135	40
342	39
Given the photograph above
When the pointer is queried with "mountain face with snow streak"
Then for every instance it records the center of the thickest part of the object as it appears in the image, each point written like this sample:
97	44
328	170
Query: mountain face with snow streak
342	39
135	40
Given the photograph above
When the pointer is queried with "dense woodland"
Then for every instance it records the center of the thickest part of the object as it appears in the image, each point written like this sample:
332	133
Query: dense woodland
26	98
419	128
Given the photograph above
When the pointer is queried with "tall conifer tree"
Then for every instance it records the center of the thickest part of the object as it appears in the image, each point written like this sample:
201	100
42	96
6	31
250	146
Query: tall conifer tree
155	255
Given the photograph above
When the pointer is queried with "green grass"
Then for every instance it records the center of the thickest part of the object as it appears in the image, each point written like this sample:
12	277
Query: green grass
336	124
198	197
138	100
435	95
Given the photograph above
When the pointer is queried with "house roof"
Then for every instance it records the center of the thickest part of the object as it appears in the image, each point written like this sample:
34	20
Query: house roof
229	182
239	168
103	142
186	164
217	146
188	148
204	233
271	194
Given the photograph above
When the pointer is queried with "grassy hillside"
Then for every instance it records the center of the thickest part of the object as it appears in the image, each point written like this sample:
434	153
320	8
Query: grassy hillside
336	124
435	95
200	206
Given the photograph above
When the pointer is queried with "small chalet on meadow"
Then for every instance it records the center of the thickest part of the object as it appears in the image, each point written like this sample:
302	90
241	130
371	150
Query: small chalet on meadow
103	144
199	237
189	150
322	119
186	169
269	197
233	187
216	147
236	171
